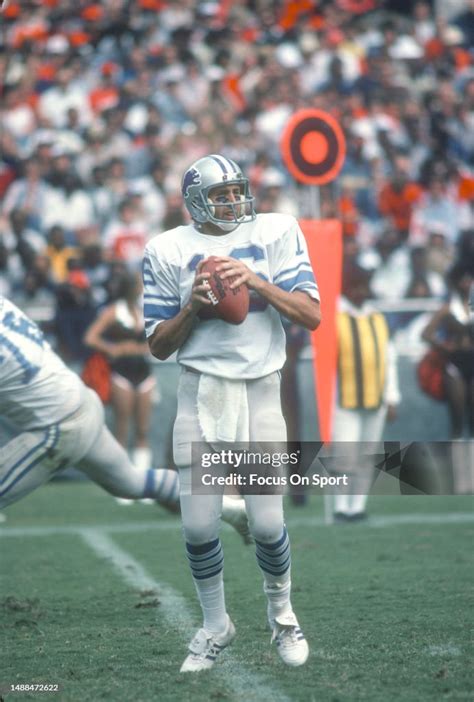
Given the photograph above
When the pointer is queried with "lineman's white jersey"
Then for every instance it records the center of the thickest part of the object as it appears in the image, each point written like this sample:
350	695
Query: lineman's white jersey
36	388
273	246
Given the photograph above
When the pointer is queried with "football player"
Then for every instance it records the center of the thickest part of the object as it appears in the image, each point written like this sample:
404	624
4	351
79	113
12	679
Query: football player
62	424
240	364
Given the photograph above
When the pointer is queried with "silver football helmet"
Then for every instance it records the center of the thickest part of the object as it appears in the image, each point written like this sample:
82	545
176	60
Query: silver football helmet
208	173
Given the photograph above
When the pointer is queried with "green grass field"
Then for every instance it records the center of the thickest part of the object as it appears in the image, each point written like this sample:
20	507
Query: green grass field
97	598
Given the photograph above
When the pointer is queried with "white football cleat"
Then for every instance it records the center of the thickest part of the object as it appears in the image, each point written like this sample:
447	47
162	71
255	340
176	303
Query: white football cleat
233	512
205	647
291	643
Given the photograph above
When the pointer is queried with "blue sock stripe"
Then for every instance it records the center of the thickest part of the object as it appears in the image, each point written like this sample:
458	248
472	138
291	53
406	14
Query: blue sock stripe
194	563
272	571
281	564
207	554
204	572
275	544
193	560
160	486
209	575
149	489
197	549
274	558
205	560
273	561
271	554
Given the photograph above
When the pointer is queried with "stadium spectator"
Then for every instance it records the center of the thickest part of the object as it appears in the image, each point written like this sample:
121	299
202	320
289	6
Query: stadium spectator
67	204
35	293
437	208
102	198
64	94
118	332
348	212
391	266
97	271
74	313
367	389
271	194
28	193
59	254
22	238
125	237
450	332
153	193
397	199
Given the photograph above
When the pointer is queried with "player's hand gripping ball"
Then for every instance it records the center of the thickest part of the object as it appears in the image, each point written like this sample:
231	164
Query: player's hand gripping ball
230	305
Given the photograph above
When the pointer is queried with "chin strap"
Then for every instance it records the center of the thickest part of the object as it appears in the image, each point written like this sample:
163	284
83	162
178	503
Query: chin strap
227	227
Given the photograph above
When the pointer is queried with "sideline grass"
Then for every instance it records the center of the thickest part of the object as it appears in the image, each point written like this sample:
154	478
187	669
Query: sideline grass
386	611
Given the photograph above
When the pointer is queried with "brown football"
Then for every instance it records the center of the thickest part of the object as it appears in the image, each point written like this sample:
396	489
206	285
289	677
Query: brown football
229	305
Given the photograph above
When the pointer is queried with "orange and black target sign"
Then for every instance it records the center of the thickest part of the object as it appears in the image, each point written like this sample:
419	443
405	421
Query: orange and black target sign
313	147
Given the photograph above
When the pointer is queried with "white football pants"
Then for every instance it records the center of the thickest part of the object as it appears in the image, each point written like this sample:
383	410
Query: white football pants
201	513
362	430
81	440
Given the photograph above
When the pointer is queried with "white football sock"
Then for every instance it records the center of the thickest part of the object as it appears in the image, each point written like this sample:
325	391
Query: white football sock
141	457
212	599
206	562
277	590
341	503
358	503
274	560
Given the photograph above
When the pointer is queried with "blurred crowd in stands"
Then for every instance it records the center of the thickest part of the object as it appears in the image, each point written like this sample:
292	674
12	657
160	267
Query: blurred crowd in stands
104	104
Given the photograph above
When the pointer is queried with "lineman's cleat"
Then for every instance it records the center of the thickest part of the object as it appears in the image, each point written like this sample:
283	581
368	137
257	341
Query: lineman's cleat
205	647
291	643
233	512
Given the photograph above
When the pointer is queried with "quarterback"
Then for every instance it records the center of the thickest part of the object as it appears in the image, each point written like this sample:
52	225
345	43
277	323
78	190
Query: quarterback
62	424
229	387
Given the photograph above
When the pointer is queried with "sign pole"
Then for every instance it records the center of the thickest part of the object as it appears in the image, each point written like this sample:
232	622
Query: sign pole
313	149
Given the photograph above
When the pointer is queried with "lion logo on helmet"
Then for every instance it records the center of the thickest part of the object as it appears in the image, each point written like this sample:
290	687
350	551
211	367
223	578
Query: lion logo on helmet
191	177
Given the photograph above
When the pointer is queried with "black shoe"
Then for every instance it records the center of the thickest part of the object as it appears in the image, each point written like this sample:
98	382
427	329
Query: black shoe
341	517
357	517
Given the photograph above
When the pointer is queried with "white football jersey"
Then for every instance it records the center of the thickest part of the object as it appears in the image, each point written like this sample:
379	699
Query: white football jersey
36	388
273	246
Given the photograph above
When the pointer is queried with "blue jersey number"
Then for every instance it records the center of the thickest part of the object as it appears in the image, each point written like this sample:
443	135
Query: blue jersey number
28	329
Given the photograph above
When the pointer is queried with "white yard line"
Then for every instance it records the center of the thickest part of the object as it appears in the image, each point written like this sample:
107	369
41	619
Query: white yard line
118	528
441	519
244	683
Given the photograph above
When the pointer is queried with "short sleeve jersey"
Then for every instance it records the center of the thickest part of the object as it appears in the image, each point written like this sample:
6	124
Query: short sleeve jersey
273	246
36	388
